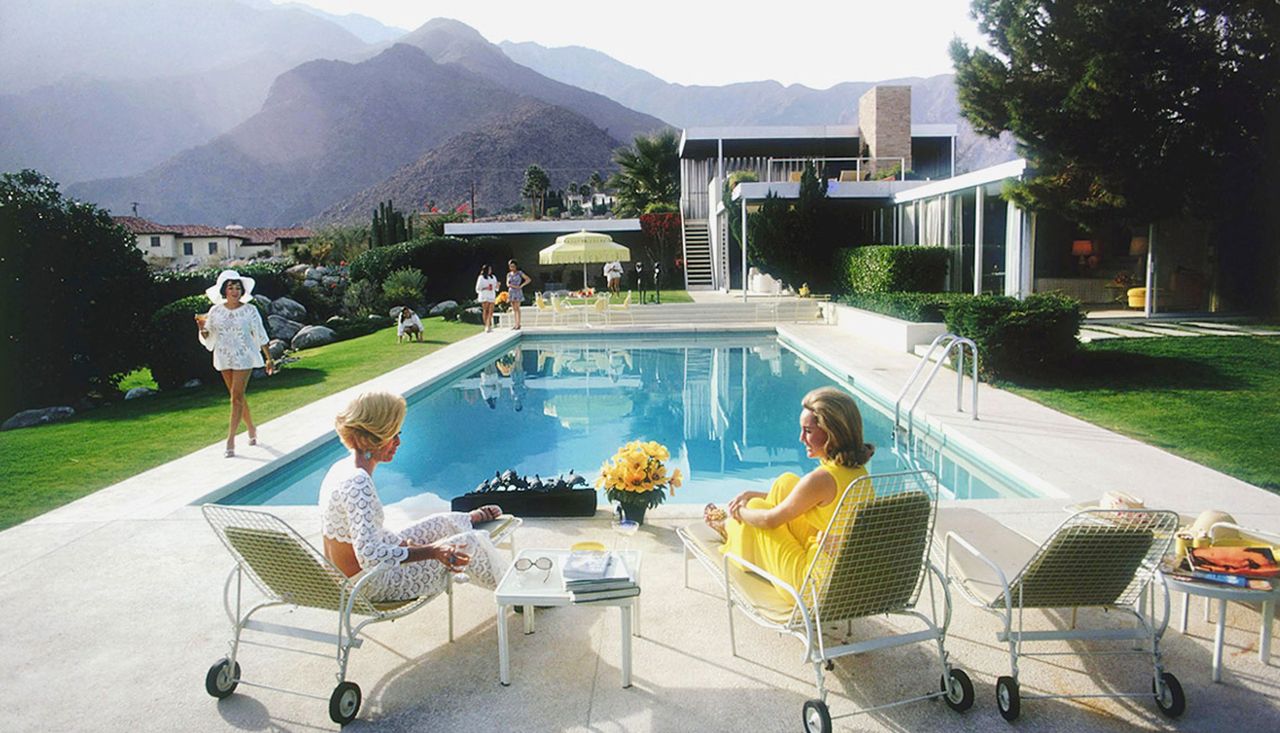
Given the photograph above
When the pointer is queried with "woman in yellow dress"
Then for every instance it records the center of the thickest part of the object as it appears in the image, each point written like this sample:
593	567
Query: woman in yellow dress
778	531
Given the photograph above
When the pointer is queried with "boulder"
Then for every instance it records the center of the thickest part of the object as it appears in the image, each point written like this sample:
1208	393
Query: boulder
37	416
191	383
331	280
289	308
311	336
310	283
276	348
264	301
395	312
137	392
442	306
280	327
297	272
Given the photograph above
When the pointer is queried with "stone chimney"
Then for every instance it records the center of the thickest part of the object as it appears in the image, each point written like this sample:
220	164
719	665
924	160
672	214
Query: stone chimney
884	122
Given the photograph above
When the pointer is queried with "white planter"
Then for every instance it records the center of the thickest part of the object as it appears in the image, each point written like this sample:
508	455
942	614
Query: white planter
891	333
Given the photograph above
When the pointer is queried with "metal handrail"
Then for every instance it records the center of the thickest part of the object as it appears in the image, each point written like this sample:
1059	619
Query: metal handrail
952	343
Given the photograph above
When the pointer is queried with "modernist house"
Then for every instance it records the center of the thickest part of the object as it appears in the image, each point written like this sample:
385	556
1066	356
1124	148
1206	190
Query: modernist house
195	244
997	247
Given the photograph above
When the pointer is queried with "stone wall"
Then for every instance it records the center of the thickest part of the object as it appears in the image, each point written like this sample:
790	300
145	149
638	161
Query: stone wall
884	119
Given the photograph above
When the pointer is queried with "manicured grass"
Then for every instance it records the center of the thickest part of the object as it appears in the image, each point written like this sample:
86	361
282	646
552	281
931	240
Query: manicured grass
45	467
1209	399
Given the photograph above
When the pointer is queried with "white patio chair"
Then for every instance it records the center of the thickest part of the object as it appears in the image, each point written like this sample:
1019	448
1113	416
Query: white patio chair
624	308
873	561
1098	558
288	571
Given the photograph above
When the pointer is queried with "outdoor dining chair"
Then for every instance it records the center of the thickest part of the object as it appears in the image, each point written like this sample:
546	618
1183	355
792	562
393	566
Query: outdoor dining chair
624	308
874	560
542	307
289	571
1098	558
564	310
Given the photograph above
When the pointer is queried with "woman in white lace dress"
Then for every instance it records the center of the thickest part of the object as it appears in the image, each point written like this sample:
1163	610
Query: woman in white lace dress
233	331
419	558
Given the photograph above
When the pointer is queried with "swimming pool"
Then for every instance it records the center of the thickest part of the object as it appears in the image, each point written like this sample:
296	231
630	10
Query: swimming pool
725	406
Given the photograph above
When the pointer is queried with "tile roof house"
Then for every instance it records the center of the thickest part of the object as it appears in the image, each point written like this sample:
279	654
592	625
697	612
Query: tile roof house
197	244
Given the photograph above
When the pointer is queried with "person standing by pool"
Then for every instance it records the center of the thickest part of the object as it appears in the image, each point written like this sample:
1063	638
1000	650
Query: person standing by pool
516	282
487	293
233	331
613	276
419	558
779	530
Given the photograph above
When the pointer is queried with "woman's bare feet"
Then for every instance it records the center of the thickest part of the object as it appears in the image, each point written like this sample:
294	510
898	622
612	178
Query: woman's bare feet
485	513
714	516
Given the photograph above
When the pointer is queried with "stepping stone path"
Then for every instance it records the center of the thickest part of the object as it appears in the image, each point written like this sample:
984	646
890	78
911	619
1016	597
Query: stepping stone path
1103	331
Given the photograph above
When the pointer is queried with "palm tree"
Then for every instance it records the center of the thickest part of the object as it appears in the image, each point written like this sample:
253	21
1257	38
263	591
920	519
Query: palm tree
649	173
535	188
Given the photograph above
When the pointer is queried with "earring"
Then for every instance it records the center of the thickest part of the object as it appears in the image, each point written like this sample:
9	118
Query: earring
368	454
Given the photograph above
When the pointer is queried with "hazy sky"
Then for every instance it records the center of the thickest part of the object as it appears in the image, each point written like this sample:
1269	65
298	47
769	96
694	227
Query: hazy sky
699	42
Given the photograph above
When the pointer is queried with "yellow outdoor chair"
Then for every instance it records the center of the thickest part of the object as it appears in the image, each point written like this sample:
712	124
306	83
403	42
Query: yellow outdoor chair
624	308
542	308
874	560
289	571
563	310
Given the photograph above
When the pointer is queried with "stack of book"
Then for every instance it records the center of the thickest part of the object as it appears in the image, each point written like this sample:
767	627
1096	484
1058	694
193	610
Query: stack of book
1253	568
591	575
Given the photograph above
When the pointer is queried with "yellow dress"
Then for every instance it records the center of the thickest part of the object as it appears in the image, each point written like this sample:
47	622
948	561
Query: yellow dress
786	551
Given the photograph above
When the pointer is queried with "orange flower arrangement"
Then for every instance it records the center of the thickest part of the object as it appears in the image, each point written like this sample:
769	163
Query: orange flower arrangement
636	474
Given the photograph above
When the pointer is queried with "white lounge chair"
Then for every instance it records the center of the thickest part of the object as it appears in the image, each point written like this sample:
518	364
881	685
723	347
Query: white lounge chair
288	571
874	561
1099	558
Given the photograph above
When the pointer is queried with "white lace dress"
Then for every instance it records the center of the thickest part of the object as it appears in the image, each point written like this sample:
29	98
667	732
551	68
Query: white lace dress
236	337
352	512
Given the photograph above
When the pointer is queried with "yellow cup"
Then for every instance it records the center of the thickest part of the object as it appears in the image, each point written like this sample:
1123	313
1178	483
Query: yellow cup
588	546
1183	542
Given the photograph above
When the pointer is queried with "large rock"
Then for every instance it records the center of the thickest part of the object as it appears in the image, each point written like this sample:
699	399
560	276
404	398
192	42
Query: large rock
289	308
298	272
38	416
137	392
264	301
279	327
276	348
312	336
442	306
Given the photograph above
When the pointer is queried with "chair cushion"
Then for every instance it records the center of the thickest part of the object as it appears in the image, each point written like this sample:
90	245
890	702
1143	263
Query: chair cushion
1003	546
758	593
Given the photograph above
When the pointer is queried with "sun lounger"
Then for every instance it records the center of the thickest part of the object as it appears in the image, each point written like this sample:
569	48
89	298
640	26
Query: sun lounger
874	561
288	571
1099	558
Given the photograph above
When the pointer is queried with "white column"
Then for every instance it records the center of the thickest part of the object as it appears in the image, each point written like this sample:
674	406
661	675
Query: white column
1149	305
979	199
744	249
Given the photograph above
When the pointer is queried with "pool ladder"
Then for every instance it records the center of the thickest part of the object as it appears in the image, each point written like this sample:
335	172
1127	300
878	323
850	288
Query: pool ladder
949	342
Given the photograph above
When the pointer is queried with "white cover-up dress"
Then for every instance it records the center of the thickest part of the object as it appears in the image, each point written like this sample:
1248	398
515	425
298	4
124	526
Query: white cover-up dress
486	289
352	512
236	337
405	324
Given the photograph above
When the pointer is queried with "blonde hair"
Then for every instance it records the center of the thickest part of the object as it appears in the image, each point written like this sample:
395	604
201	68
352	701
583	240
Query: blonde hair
370	421
837	414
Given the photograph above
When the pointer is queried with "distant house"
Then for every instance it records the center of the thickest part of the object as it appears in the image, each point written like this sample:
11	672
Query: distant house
195	244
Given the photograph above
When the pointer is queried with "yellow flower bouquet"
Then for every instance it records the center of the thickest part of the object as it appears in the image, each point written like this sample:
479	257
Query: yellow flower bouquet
636	477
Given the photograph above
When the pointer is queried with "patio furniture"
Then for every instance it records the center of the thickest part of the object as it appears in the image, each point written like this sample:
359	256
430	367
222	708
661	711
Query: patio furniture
535	587
1098	558
601	308
624	308
288	571
562	310
542	307
873	560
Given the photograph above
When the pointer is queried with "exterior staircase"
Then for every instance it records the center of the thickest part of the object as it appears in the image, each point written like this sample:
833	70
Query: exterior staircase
697	256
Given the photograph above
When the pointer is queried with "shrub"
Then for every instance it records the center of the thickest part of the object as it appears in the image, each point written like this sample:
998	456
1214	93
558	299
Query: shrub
893	269
321	302
915	307
450	264
361	299
74	299
1018	337
176	355
349	329
268	279
405	286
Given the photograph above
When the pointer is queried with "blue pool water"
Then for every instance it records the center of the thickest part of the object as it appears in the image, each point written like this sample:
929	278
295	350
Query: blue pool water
727	408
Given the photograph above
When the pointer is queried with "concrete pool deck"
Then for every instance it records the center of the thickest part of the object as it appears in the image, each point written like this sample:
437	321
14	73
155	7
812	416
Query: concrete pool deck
113	605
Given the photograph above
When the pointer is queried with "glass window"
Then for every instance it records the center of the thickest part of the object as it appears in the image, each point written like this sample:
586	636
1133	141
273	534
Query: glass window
188	248
213	248
155	241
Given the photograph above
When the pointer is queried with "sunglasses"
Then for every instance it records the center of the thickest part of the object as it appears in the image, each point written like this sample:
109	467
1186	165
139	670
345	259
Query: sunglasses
541	563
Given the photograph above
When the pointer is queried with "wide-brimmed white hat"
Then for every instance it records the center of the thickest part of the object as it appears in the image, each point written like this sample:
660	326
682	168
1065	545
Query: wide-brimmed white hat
215	292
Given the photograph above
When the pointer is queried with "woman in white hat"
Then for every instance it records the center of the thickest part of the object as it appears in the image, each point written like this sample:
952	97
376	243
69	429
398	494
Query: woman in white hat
233	331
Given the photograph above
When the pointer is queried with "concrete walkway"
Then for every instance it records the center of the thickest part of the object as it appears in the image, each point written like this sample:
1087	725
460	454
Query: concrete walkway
113	607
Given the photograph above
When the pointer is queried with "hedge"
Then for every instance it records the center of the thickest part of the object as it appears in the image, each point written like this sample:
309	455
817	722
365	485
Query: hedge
914	307
892	268
1018	337
176	355
450	264
351	328
269	279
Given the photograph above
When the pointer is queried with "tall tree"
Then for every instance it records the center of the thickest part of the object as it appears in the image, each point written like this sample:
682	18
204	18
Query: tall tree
1132	111
649	173
536	185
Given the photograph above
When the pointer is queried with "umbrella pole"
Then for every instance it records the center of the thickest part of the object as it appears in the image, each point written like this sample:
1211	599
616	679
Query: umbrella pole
584	277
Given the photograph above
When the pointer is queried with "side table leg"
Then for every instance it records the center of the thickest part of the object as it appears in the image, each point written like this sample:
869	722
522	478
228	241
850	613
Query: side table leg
1264	643
1182	618
626	612
504	654
528	619
1218	635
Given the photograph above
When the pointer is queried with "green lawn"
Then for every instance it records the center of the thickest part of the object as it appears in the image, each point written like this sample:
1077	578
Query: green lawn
1209	399
45	467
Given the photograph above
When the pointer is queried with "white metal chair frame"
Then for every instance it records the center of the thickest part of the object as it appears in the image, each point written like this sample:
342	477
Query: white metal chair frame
1079	582
326	588
822	585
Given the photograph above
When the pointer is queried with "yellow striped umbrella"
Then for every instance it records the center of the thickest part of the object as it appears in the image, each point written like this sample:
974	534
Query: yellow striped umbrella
583	247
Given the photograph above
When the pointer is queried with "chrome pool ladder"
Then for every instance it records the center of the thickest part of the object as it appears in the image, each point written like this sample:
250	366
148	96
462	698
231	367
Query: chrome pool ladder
949	342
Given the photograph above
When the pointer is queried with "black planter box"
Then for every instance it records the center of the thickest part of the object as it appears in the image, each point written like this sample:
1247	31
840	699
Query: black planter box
528	503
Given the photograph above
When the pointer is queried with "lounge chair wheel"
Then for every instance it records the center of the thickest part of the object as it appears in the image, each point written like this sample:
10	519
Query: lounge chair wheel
959	690
1008	699
1169	697
344	703
817	718
221	679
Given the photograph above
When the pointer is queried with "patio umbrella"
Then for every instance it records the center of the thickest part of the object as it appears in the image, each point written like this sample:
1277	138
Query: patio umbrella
583	247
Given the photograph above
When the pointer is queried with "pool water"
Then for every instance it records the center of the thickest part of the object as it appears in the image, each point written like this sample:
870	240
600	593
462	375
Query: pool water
727	408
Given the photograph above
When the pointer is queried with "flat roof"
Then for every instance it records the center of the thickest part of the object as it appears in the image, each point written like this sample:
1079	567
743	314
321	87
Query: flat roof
886	190
557	226
700	142
998	172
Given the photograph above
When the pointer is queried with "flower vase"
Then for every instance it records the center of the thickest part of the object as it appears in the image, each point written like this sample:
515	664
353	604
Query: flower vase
634	510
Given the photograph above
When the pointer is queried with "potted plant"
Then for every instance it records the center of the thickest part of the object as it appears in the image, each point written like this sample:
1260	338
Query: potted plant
636	477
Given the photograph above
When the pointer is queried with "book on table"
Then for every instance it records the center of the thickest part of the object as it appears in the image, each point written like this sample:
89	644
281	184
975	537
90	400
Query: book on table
599	575
1183	570
609	594
1248	562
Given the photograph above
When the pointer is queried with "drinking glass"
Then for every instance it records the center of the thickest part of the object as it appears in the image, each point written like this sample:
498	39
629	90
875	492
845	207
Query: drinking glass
624	527
460	577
